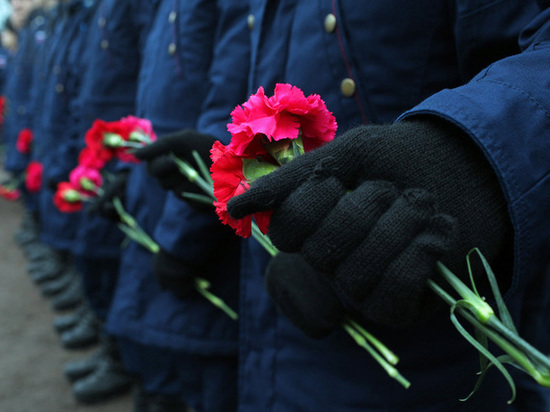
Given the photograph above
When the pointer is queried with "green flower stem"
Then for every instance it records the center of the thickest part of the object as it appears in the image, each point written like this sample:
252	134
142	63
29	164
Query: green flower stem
384	356
522	352
131	145
188	171
134	232
533	353
263	240
390	370
481	309
205	172
480	306
202	286
198	198
383	349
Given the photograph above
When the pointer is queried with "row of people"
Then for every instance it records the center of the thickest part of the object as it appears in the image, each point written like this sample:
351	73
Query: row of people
441	148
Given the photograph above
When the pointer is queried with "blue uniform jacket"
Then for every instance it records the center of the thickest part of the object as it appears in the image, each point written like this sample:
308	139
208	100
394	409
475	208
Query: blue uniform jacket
18	89
58	124
174	83
371	62
108	91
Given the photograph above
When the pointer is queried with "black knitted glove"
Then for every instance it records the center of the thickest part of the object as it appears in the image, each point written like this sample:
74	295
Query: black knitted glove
303	295
103	205
161	166
174	274
376	208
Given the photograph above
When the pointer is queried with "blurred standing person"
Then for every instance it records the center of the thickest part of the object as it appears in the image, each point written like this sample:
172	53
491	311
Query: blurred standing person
183	350
56	129
108	92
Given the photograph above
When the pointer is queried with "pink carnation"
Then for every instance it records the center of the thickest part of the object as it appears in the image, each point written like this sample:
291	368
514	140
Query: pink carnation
85	179
279	117
24	141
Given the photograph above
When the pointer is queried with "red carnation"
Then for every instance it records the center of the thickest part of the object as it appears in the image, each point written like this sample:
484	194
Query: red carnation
24	141
67	199
95	139
88	157
116	139
33	177
229	181
266	132
9	193
2	110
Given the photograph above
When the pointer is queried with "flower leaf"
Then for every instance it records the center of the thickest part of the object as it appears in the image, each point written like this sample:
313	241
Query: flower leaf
483	351
253	169
505	316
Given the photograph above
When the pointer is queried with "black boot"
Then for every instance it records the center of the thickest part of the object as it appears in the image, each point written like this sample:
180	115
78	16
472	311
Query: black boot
55	286
108	380
63	323
84	334
28	230
108	350
48	265
81	368
70	297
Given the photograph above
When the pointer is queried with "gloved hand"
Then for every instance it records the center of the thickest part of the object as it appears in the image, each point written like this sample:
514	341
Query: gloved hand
103	205
303	295
175	274
377	207
161	165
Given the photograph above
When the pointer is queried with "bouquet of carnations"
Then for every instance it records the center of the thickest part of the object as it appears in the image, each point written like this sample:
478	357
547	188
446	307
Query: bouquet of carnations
268	132
105	142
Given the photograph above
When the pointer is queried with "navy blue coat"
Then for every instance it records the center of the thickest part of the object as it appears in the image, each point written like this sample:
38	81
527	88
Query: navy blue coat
57	126
108	91
18	89
181	57
373	61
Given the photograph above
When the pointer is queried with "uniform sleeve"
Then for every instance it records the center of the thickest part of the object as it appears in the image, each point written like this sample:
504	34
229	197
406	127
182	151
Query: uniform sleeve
183	231
506	110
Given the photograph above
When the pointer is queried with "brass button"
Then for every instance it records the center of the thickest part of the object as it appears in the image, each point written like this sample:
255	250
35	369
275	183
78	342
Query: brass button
172	49
59	88
330	23
101	22
21	110
347	87
104	44
250	21
172	17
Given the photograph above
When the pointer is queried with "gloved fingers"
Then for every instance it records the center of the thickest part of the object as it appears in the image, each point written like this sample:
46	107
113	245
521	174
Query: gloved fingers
392	233
52	184
347	224
400	284
303	295
158	148
268	192
302	211
182	287
162	166
104	208
182	143
341	158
